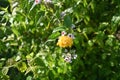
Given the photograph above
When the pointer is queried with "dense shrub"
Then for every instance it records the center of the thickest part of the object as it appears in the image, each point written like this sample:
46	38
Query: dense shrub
60	40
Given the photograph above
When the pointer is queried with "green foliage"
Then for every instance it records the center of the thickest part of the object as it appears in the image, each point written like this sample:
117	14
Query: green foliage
28	38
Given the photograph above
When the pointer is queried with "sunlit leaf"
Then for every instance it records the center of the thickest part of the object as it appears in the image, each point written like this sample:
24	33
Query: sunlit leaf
29	78
22	66
15	31
5	70
54	35
59	29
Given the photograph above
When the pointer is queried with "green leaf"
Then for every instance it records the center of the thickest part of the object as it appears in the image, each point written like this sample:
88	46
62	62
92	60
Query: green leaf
92	6
38	62
14	44
90	43
54	35
29	78
109	42
67	21
5	70
59	29
15	31
87	18
22	66
85	3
